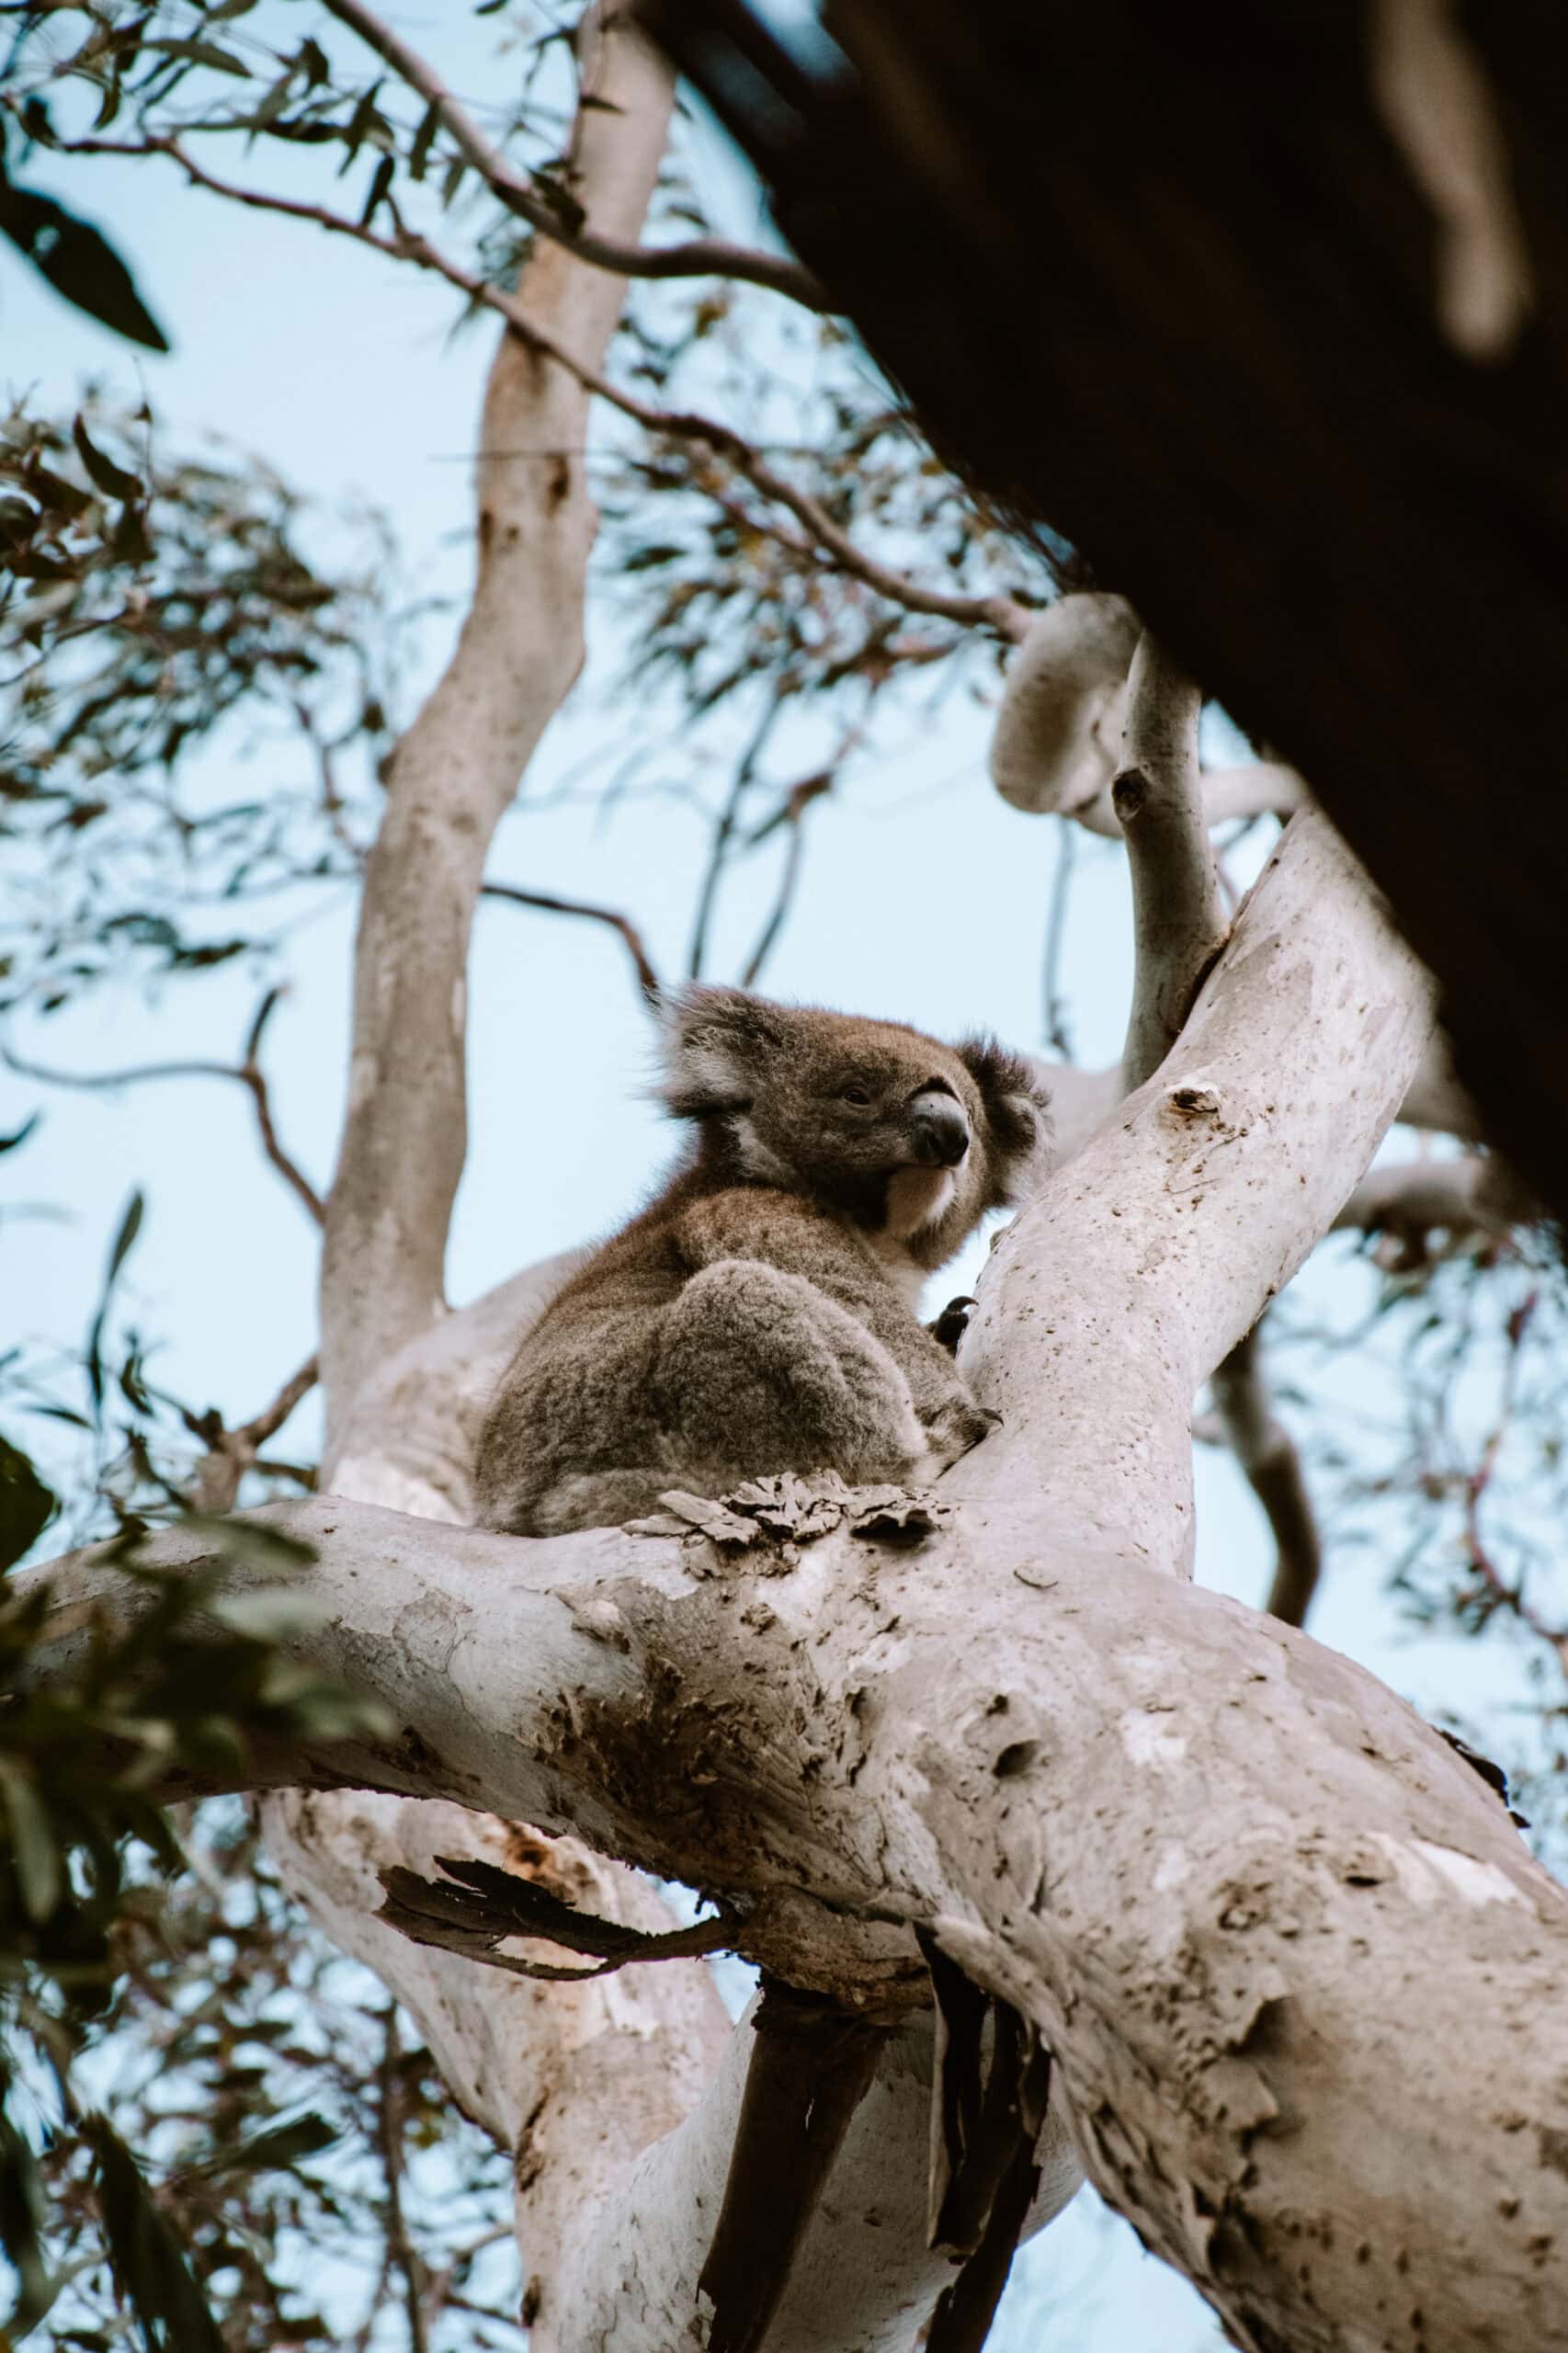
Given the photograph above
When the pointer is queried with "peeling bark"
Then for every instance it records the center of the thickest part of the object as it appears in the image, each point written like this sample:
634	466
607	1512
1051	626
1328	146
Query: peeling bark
1242	1890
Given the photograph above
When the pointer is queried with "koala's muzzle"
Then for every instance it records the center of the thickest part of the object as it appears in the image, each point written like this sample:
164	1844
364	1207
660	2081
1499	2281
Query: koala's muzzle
938	1129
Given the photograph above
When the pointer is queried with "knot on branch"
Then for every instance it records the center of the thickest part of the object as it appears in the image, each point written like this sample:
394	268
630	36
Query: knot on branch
1194	1102
1129	793
773	1517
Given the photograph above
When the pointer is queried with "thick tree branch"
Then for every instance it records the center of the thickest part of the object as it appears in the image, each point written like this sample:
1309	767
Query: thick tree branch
1413	1198
1188	1211
521	1675
698	257
457	768
1178	922
574	2081
1082	1099
1180	928
594	2096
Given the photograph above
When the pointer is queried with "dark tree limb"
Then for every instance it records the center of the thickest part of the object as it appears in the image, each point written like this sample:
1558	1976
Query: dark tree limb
812	2064
1237	383
1271	1460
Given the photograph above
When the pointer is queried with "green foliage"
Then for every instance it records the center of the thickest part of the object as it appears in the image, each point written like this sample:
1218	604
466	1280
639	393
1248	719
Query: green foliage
26	1505
188	1686
264	2094
168	2309
77	260
145	602
185	1683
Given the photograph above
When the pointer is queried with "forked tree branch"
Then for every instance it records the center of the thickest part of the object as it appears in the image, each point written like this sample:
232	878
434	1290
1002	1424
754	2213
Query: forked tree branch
1058	742
698	257
456	770
247	1072
231	1452
867	1737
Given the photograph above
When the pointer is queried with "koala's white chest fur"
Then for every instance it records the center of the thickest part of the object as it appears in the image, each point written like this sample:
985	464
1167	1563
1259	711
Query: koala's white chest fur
916	1198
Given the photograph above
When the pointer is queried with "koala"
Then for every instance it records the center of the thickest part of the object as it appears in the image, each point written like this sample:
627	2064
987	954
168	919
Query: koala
760	1315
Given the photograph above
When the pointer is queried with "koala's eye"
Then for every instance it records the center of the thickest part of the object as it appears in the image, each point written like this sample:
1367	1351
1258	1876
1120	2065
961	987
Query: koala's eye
854	1092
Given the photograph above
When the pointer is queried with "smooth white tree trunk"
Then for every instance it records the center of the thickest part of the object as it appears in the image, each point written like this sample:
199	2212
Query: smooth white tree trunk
1297	1975
1297	1969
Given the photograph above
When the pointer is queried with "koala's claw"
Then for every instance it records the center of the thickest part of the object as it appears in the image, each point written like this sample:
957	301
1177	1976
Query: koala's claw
953	1322
951	1431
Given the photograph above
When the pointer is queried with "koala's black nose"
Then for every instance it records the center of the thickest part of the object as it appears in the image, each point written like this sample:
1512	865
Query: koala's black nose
939	1130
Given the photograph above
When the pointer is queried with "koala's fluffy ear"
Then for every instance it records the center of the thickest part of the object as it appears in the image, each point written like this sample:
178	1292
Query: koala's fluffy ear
1018	1107
714	1043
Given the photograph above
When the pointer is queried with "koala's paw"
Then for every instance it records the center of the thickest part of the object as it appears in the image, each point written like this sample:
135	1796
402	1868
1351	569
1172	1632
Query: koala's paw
953	1322
953	1429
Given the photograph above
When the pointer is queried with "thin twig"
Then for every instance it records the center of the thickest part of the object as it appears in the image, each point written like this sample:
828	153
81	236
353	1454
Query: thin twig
1003	615
247	1072
724	833
1499	1593
793	815
271	1419
647	978
698	258
231	1452
1272	1462
401	2246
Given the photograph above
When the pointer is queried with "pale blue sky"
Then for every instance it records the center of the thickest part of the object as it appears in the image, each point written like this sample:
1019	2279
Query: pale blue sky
924	898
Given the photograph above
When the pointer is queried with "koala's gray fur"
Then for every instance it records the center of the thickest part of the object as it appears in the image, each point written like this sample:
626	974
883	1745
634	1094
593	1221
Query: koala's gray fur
759	1315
